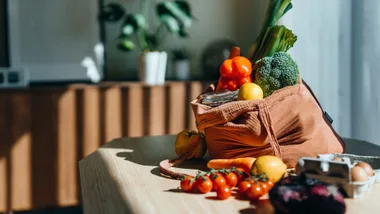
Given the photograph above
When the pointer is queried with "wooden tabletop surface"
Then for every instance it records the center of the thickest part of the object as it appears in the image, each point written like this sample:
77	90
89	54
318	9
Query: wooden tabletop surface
123	177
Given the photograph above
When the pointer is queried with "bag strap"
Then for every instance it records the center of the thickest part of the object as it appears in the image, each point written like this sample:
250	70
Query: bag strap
265	118
326	116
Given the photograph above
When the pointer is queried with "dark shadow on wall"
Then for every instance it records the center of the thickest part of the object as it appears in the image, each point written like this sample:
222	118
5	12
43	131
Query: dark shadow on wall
3	35
41	142
29	159
248	18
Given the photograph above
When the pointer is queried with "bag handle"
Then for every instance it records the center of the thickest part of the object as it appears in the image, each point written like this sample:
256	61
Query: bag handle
266	120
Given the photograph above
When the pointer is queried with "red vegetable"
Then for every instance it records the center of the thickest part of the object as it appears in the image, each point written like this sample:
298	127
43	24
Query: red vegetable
224	193
234	72
187	183
231	178
226	83
217	181
244	186
204	184
254	192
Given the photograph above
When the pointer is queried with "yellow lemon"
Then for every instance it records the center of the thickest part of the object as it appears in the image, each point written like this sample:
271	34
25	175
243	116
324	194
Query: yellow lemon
250	91
271	165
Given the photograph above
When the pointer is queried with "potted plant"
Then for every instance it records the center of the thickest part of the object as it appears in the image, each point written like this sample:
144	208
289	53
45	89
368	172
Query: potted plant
181	64
173	17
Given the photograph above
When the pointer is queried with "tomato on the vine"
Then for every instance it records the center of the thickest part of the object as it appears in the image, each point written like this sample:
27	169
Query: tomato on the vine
204	184
270	184
217	181
231	179
264	186
254	192
240	174
187	184
223	192
243	186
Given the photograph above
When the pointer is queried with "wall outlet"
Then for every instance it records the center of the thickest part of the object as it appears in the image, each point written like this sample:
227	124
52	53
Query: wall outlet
14	78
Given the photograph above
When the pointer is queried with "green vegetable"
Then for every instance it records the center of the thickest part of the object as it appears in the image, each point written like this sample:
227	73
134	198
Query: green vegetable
275	72
276	39
273	38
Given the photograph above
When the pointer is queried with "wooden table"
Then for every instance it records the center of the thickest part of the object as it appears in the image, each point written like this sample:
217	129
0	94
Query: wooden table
123	177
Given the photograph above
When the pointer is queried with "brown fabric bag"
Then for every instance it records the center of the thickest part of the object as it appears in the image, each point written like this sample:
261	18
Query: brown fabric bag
290	124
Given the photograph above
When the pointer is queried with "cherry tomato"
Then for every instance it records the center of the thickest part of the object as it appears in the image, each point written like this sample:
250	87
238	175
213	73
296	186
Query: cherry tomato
243	186
240	174
204	184
242	81
264	186
187	184
231	179
254	192
223	192
217	181
270	184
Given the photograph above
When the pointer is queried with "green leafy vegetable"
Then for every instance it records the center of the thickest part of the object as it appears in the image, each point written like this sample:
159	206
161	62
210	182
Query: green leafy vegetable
275	72
273	38
276	39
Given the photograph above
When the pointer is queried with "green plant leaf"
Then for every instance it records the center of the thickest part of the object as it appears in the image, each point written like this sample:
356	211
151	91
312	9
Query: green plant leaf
182	33
126	45
171	23
151	40
185	7
112	12
133	23
180	10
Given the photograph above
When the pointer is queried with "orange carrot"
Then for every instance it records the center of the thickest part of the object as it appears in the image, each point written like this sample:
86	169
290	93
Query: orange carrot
243	163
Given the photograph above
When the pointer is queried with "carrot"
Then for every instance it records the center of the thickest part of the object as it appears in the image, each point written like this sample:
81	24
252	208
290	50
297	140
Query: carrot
235	51
243	163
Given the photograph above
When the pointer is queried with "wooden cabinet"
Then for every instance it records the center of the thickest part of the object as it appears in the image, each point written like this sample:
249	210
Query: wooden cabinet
44	132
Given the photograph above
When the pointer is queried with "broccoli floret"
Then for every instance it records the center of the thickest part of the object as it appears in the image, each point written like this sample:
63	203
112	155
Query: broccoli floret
275	72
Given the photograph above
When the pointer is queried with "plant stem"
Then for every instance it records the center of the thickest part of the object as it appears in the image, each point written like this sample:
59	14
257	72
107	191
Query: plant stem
141	34
144	7
160	34
142	41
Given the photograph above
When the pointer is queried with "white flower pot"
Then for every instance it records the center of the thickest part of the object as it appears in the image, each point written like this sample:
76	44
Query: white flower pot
152	67
182	69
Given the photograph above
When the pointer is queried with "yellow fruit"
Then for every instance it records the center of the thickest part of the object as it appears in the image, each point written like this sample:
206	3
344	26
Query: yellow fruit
250	91
271	165
186	139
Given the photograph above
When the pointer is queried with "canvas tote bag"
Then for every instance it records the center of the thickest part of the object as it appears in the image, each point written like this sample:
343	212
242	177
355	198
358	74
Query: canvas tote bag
289	124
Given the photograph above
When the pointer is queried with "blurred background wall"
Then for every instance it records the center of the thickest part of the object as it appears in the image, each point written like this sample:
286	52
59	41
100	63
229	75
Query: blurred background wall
238	21
365	74
323	53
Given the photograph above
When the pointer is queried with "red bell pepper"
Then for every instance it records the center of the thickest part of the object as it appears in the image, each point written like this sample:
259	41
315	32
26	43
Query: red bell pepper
234	72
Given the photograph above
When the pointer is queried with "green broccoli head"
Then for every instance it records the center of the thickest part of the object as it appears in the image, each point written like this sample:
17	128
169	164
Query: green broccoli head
275	72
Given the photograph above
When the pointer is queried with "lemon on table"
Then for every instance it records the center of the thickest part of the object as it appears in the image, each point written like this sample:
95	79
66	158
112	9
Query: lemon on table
271	165
250	91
